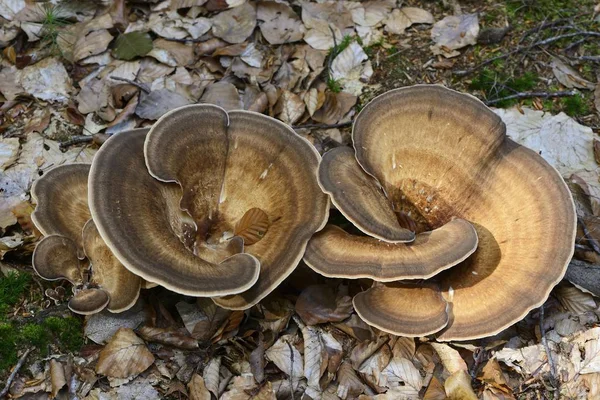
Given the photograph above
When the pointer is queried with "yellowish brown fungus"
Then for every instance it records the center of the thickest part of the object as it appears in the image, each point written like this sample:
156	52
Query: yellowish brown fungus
140	220
55	257
107	272
240	176
338	254
405	309
62	202
89	301
439	155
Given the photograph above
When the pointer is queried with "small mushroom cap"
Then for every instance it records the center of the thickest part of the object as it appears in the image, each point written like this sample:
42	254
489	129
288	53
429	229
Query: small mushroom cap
403	309
338	254
359	197
122	286
453	159
139	219
55	257
248	161
89	301
61	196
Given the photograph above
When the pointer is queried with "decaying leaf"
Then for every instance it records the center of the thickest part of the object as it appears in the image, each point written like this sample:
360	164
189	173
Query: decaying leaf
321	303
211	376
454	32
252	226
349	385
47	80
336	106
9	150
451	359
370	13
350	70
286	357
280	23
223	94
124	356
568	76
102	326
289	108
168	336
93	43
314	99
435	390
402	18
157	103
235	25
573	298
57	377
458	386
356	328
131	45
197	389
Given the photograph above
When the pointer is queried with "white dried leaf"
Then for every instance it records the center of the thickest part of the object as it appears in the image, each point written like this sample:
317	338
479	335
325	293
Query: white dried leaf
320	33
402	372
57	377
10	85
451	359
527	360
350	70
124	356
252	56
350	386
10	8
280	23
93	96
47	80
454	32
402	18
589	342
282	353
102	326
140	388
372	12
9	150
236	24
91	44
314	100
575	299
369	35
289	108
197	389
568	76
223	94
211	375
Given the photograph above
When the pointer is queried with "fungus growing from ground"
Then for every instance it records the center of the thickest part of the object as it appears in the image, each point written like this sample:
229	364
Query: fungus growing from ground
207	201
426	160
63	216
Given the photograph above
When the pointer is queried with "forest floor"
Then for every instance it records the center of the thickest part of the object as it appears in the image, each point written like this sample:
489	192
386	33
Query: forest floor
72	73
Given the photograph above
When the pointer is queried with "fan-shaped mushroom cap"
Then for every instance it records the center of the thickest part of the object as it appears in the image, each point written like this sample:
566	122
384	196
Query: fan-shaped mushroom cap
140	221
440	154
403	309
62	202
359	197
248	161
338	254
122	286
89	301
55	257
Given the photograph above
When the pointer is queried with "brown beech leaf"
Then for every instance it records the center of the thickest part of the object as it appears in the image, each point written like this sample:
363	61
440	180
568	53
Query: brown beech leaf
168	336
252	226
350	385
492	375
211	318
435	390
356	327
320	303
334	108
458	386
124	356
597	150
289	108
197	388
57	377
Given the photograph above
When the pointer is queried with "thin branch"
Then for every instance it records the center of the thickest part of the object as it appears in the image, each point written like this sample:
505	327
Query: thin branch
589	58
13	374
528	95
97	138
323	126
141	86
291	370
525	48
546	347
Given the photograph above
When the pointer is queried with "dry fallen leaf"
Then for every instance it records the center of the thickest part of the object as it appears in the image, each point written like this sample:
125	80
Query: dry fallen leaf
451	359
350	70
93	43
320	303
236	24
168	336
154	105
454	32
211	375
289	108
223	94
197	389
47	80
458	386
336	106
125	356
350	386
370	13
57	377
402	18
280	23
568	76
252	226
286	357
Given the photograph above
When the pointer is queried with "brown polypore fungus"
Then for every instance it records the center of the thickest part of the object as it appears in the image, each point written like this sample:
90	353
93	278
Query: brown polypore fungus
176	206
428	159
63	216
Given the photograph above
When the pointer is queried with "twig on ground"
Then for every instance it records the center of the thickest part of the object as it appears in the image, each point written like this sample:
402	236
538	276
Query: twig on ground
97	138
547	348
588	58
323	126
551	24
141	86
291	370
528	95
588	237
525	48
13	374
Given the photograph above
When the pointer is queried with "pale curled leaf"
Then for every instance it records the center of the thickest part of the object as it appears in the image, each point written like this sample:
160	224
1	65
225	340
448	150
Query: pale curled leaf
451	359
458	386
168	336
57	377
314	99
568	76
402	18
124	356
197	389
286	357
454	32
211	375
289	108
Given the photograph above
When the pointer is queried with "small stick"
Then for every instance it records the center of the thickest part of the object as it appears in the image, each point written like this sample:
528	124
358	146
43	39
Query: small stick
141	86
525	48
291	370
546	347
13	374
527	95
589	58
322	126
590	240
97	138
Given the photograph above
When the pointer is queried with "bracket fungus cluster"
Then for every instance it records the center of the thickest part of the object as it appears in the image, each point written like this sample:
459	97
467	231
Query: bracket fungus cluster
206	203
463	230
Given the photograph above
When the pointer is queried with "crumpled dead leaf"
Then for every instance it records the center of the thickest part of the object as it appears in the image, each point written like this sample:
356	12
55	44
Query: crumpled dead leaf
321	303
223	94
454	32
168	336
567	76
125	356
371	13
289	108
350	70
280	23
286	357
236	24
47	80
402	18
197	389
93	43
154	105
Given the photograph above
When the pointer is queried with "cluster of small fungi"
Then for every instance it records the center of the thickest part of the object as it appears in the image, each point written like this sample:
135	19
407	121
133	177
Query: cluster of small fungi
461	230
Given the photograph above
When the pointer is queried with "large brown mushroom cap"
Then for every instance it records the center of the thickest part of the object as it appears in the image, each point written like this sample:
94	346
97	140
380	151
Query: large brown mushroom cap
338	254
140	220
439	154
122	285
55	257
61	196
248	161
